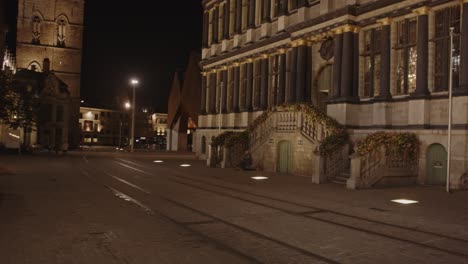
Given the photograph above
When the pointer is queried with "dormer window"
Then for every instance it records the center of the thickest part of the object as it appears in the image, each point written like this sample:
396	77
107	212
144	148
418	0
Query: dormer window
61	30
36	30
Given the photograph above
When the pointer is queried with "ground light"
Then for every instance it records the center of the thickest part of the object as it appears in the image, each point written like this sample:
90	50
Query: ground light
185	165
259	178
404	201
158	161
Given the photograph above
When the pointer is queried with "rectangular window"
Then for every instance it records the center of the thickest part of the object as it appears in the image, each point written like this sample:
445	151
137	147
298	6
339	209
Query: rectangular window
257	83
293	5
230	89
444	20
274	78
96	116
406	56
245	14
372	40
277	8
243	86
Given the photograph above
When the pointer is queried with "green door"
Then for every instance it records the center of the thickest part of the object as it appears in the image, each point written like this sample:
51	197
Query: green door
436	165
284	157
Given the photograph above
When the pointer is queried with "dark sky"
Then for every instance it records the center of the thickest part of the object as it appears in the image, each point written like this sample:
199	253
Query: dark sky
137	39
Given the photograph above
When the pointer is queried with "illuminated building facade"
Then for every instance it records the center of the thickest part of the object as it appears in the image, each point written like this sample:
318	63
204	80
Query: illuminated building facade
370	65
103	126
53	30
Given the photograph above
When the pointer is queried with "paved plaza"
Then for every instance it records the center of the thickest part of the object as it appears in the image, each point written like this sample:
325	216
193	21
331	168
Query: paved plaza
115	207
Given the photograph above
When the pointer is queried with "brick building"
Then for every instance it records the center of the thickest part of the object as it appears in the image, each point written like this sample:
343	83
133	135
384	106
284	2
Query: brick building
370	65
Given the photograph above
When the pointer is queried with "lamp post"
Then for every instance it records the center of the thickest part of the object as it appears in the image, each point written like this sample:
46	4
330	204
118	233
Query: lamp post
134	82
120	134
449	130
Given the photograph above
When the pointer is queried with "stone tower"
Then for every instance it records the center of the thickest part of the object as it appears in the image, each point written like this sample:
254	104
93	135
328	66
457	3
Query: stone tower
53	29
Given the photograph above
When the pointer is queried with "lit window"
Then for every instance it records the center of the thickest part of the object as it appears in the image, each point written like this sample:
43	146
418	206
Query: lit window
444	19
372	39
406	56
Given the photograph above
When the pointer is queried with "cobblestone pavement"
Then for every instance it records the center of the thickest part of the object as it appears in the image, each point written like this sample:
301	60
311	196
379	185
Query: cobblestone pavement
126	208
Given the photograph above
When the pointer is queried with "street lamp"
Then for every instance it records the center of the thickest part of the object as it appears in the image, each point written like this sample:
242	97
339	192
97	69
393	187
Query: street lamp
134	82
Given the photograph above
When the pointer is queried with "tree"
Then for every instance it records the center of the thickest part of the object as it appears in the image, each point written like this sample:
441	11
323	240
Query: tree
18	103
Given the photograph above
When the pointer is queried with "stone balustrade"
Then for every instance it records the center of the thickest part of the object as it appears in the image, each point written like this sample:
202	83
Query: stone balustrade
379	166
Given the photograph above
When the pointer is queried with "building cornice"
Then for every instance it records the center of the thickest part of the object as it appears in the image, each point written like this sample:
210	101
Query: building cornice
47	46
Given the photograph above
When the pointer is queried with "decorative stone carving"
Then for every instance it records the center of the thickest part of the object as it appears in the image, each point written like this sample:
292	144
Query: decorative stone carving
326	49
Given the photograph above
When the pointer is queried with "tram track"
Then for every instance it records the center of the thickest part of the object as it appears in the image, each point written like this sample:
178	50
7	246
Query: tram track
314	211
190	225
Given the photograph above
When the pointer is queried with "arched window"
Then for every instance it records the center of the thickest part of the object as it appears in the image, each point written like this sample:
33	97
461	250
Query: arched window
36	29
35	66
61	31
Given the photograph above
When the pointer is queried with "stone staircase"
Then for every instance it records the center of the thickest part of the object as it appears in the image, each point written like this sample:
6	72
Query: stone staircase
342	178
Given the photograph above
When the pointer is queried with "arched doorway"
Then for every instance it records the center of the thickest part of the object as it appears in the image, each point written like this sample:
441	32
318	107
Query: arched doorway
284	164
436	165
322	86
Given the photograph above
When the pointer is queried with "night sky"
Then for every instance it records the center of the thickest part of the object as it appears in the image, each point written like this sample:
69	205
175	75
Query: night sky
136	39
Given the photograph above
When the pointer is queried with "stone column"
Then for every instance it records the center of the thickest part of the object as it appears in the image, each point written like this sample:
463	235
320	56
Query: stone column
203	94
308	73
337	61
355	90
224	90
422	65
212	91
206	17
215	24
264	83
292	74
282	78
266	7
464	52
227	8
248	88
301	71
347	62
238	28
236	87
251	14
385	50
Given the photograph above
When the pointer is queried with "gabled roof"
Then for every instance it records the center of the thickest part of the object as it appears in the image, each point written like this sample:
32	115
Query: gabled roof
41	81
184	98
174	99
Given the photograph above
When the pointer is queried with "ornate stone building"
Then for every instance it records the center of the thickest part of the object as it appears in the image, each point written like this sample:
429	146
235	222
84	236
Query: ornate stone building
51	29
370	65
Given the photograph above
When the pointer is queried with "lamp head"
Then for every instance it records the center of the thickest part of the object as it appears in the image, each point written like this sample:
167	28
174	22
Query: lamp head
134	81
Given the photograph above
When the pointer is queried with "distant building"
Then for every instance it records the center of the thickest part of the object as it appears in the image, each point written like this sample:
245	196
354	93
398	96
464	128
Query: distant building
104	126
184	107
158	123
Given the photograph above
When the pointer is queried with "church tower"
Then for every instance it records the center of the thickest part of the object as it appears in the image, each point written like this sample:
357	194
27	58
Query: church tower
53	29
